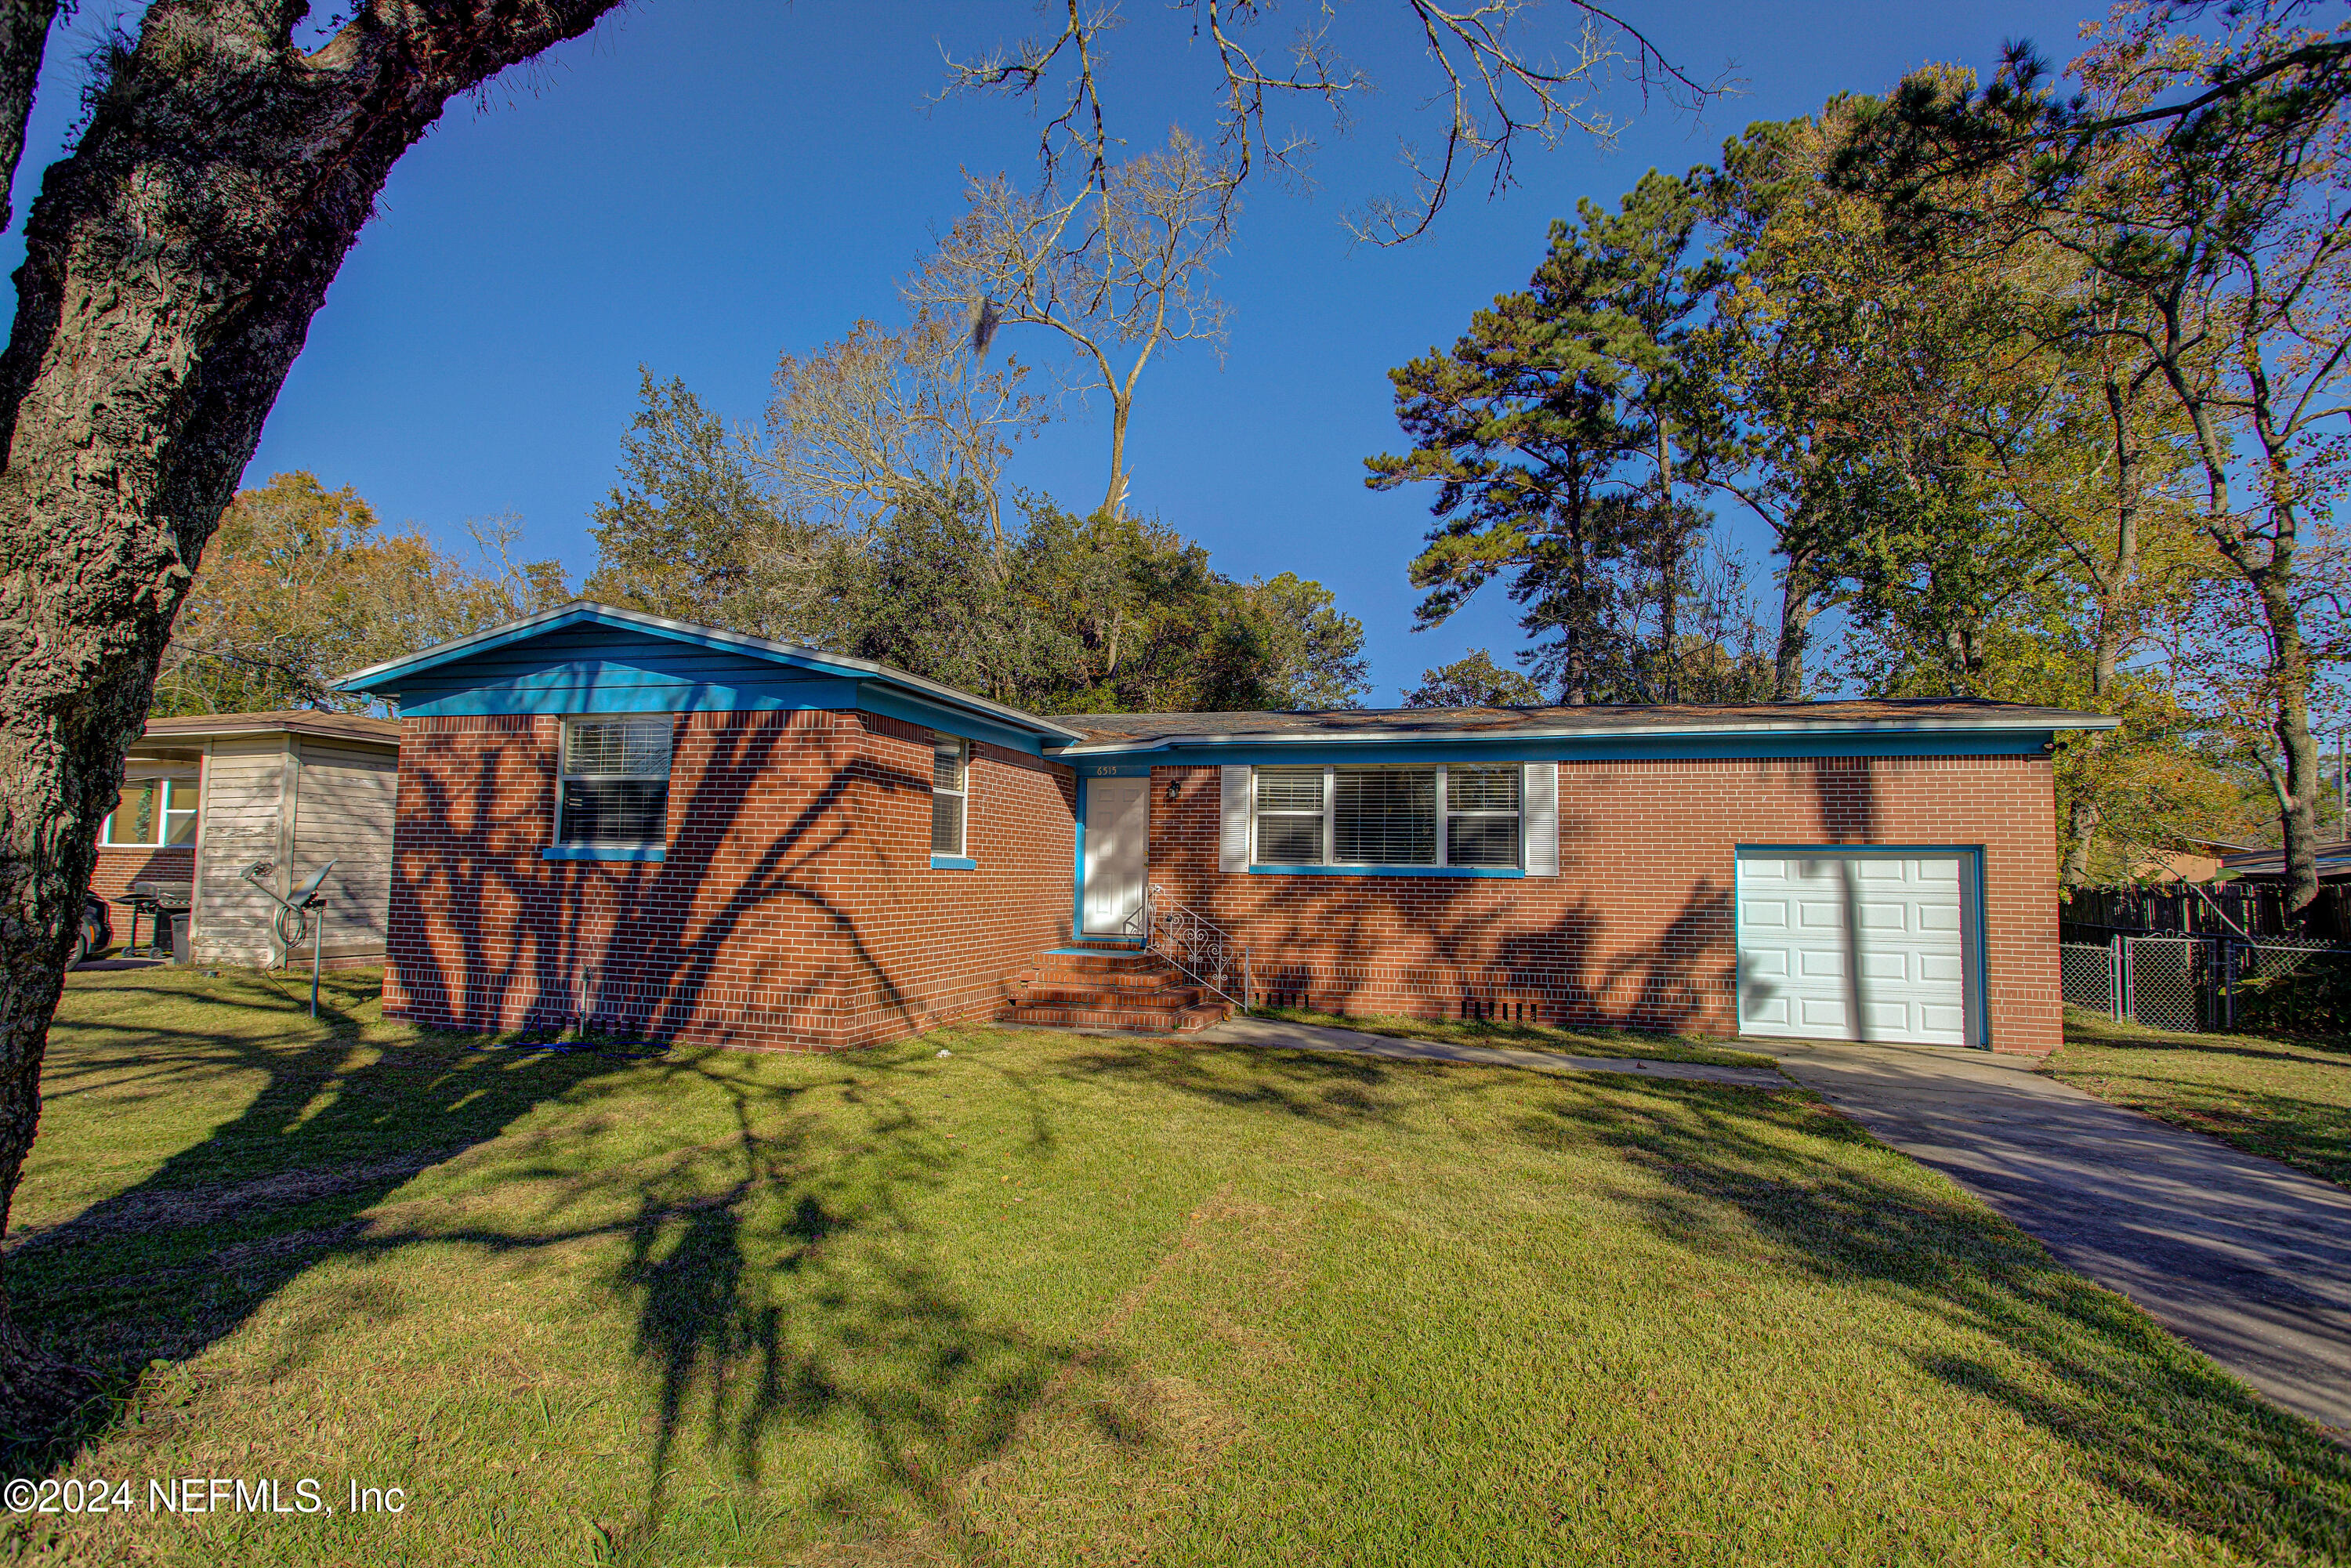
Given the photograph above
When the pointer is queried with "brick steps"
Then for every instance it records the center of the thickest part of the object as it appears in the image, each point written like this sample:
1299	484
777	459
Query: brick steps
1112	987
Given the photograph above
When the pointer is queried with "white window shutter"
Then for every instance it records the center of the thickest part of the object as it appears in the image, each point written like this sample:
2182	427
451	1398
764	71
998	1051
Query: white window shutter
1238	786
1541	819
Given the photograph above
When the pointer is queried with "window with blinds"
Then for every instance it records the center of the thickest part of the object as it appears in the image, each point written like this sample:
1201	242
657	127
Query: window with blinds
1481	816
1383	816
614	787
950	792
1290	815
1388	816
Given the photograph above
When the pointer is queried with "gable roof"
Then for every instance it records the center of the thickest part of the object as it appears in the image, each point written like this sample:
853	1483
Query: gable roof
386	677
1161	731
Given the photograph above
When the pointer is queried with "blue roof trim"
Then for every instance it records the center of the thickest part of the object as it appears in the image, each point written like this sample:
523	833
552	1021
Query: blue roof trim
1434	749
873	697
434	681
1455	871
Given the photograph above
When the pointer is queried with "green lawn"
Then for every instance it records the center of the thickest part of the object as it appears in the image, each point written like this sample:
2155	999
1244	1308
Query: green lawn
2288	1100
1055	1298
1613	1042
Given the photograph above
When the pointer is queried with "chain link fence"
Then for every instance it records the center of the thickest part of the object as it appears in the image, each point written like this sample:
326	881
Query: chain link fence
2189	984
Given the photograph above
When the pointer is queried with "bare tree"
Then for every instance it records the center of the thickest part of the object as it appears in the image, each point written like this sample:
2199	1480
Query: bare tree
1495	95
860	424
1120	269
172	264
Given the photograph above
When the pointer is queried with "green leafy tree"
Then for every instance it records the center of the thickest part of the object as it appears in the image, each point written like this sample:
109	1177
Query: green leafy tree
1473	679
302	584
1560	433
692	530
2204	179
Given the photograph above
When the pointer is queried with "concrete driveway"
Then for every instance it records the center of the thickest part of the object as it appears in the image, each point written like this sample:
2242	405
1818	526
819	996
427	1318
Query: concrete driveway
2244	1259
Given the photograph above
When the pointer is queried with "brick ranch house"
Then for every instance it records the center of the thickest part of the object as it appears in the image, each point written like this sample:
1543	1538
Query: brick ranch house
666	828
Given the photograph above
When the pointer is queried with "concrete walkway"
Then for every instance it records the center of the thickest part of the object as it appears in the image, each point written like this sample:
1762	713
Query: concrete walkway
2245	1258
1240	1030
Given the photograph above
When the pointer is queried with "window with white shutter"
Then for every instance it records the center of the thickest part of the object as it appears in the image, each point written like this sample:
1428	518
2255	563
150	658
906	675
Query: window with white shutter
1389	818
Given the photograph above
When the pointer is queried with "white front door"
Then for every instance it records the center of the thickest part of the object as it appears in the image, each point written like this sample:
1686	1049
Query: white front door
1838	945
1118	855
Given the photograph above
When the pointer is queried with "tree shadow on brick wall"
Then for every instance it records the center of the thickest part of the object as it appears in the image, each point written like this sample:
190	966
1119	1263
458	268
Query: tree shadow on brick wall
1680	977
533	964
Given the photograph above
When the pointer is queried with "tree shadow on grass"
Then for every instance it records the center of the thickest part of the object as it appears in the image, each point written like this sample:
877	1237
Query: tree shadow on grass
777	1276
2153	1421
174	1262
1317	1087
785	1282
1773	1179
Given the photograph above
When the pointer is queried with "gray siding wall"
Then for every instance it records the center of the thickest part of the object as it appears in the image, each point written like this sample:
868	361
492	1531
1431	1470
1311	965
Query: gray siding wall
343	813
244	787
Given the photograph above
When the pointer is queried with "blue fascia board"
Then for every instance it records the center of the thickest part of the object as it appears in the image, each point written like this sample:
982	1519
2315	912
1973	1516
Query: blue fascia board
615	689
1511	872
1628	749
874	697
954	863
605	852
397	678
388	678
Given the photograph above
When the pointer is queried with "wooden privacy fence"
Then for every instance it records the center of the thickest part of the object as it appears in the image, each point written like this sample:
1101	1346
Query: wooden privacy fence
2237	910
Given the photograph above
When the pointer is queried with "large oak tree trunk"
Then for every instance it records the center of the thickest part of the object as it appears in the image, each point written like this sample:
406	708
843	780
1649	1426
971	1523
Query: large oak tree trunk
173	263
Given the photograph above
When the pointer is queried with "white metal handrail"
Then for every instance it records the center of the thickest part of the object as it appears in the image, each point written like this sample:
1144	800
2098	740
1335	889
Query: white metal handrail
1201	948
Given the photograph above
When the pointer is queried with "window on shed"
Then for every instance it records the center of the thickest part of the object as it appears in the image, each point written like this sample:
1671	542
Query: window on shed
615	781
950	792
152	812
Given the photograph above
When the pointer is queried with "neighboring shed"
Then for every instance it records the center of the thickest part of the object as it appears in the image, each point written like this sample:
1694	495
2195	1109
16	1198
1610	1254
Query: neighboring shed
205	796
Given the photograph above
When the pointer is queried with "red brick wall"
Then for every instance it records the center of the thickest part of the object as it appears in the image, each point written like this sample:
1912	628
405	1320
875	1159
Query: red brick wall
1636	930
796	906
119	865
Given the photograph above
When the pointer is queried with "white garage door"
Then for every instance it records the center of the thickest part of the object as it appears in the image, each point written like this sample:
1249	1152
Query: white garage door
1854	947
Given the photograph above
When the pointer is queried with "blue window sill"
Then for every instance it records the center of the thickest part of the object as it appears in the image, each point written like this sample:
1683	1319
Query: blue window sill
1384	870
605	852
954	863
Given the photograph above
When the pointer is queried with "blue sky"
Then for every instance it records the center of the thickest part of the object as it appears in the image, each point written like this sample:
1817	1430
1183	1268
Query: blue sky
703	183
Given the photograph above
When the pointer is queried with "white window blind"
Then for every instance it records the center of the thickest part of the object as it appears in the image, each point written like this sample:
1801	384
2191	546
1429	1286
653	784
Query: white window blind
1290	816
950	792
1481	816
1383	816
615	781
1447	816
